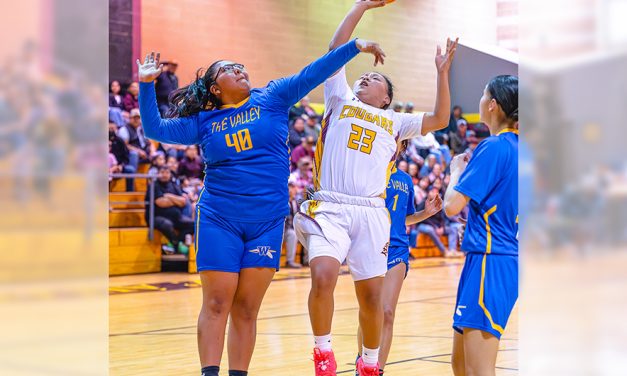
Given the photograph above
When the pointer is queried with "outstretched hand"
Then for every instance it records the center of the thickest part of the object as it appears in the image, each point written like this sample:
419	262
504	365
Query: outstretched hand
371	48
369	4
433	206
443	61
150	69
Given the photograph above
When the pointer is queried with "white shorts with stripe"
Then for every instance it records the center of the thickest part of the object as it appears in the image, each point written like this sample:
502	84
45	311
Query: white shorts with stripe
355	229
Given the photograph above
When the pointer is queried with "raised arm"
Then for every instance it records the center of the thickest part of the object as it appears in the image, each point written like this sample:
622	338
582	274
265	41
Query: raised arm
441	114
291	89
346	28
183	130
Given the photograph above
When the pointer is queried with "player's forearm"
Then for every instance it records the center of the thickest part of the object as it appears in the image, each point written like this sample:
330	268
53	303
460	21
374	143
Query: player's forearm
454	201
346	28
442	110
416	217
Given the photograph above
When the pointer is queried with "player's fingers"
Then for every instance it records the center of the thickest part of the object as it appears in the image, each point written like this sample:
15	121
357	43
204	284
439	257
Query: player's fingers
147	59
438	50
139	64
157	59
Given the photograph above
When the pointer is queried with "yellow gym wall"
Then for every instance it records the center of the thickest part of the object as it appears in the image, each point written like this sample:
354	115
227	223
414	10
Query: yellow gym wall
275	38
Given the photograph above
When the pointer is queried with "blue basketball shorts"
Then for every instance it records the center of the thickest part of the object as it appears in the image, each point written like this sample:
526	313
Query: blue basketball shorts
229	246
487	292
397	255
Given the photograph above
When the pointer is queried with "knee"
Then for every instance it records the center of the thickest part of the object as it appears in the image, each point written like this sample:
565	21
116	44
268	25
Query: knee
322	284
243	312
388	315
372	300
214	308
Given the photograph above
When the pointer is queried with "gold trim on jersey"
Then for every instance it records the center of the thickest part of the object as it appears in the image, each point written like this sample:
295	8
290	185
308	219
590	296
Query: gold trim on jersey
236	105
488	250
318	154
390	170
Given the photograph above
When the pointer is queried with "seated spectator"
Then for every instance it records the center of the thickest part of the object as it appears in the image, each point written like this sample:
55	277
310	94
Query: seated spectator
456	114
115	99
297	132
303	150
173	165
120	151
131	100
172	213
473	141
398	107
157	162
312	127
425	144
412	170
420	191
458	138
166	83
409	108
453	226
436	173
133	136
481	130
303	109
427	167
114	166
302	177
438	184
289	235
403	166
191	166
435	226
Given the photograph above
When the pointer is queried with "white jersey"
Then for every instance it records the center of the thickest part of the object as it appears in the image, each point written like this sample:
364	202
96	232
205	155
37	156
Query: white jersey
357	146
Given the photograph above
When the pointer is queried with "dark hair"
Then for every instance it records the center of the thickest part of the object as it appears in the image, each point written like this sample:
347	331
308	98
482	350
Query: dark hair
195	97
504	90
456	107
390	90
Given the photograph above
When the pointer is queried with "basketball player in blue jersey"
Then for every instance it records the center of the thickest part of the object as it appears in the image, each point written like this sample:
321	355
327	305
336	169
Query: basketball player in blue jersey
240	213
488	182
400	203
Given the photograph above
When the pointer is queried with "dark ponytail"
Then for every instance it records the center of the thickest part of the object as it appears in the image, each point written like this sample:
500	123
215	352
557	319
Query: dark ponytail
390	92
195	97
504	89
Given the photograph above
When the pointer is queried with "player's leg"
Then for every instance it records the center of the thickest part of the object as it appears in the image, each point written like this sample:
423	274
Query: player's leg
367	261
324	274
262	254
219	251
252	286
368	293
457	356
392	285
480	349
218	290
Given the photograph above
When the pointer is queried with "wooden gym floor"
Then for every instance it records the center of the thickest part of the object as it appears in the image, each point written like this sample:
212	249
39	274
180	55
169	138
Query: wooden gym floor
153	325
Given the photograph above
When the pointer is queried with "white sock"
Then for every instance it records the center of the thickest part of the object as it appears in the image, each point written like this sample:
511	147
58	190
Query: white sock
370	356
323	342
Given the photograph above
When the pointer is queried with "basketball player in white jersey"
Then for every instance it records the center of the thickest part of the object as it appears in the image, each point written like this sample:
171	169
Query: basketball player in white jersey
347	218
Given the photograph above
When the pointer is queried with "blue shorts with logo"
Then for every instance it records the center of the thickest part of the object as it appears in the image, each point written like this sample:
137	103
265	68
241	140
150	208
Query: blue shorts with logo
487	292
397	255
229	246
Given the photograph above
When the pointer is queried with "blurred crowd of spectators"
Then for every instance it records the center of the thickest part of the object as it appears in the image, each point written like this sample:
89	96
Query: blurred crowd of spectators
178	170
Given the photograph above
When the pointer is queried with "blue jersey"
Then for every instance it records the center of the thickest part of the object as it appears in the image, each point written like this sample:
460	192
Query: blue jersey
244	146
400	203
491	182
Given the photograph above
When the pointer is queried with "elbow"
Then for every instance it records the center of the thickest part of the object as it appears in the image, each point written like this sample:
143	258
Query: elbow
449	210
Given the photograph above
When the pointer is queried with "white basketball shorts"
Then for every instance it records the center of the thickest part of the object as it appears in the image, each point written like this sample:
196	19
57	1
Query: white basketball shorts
355	229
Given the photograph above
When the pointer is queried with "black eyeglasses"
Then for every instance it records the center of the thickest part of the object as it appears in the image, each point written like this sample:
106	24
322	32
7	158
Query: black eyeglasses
229	68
